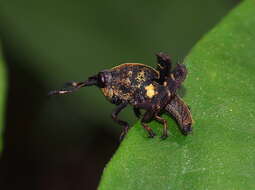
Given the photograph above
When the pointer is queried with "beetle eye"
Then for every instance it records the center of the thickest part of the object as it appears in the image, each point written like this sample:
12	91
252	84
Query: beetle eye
101	80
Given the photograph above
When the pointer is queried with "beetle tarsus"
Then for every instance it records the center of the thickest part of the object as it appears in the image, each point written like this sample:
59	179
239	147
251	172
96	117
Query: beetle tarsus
123	133
163	137
152	134
149	130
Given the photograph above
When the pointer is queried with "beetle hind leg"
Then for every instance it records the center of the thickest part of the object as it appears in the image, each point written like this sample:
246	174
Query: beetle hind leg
165	126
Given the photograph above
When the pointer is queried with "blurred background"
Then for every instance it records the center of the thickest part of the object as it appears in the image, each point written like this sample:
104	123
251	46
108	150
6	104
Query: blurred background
64	142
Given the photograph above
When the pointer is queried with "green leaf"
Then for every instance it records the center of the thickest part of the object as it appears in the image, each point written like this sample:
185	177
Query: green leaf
220	89
2	97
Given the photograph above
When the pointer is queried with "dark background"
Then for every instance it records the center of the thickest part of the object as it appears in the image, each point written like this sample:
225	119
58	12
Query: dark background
64	142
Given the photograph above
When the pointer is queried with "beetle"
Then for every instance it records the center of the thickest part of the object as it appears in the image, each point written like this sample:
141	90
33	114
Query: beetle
143	87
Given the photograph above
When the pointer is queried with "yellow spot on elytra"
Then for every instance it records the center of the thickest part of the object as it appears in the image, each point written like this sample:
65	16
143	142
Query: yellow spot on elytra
140	76
150	91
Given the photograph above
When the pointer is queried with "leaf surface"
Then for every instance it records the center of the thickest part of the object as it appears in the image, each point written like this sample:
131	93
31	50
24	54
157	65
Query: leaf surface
220	89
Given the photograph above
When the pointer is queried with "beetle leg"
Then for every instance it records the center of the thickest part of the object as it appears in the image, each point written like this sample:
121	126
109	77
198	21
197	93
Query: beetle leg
148	116
153	109
159	103
149	130
114	115
164	122
163	66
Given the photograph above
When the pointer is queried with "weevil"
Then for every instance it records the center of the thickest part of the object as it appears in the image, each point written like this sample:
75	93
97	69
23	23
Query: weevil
143	87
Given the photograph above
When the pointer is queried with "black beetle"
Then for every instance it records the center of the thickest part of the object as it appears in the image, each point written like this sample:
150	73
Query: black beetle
143	87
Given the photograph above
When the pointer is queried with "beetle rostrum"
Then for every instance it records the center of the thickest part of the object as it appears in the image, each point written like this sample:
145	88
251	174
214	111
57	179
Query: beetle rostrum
143	87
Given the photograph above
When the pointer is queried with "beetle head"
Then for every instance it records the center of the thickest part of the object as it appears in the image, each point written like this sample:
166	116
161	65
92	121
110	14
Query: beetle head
103	78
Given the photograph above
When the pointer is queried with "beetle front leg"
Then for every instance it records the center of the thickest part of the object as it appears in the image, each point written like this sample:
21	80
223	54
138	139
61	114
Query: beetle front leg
114	116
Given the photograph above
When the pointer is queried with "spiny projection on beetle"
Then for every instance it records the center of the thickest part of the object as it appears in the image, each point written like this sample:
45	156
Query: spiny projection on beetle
143	87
